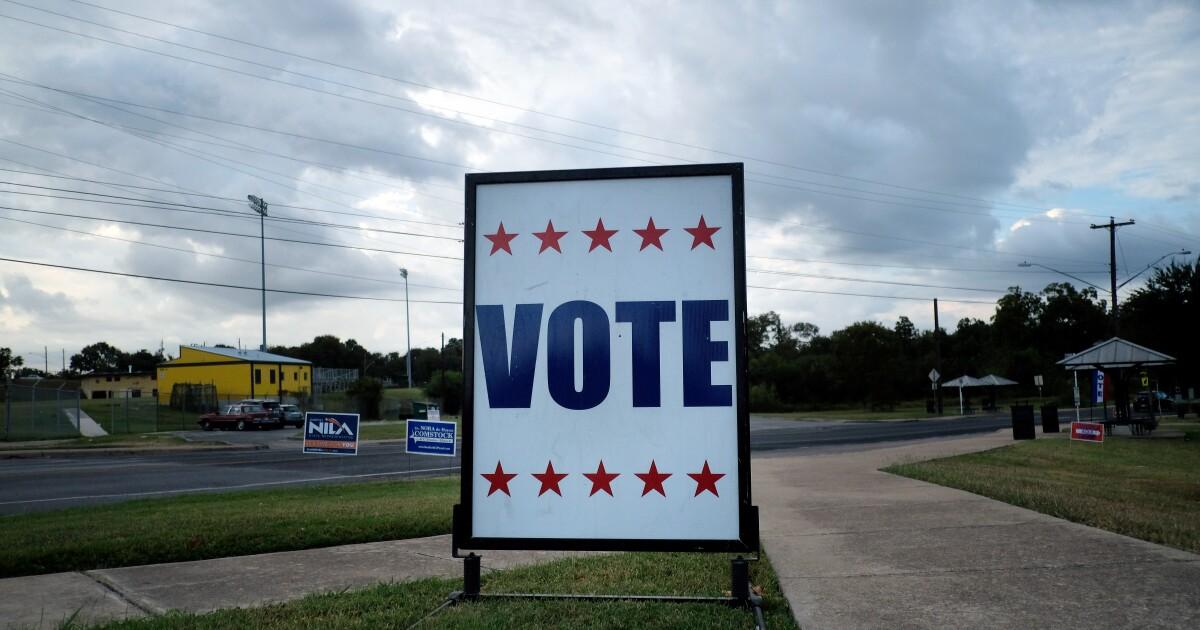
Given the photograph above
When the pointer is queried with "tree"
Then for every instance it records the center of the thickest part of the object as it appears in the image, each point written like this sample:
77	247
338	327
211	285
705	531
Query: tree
98	357
8	361
1163	315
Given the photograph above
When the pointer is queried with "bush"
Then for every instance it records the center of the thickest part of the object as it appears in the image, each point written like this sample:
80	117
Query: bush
451	395
368	394
764	398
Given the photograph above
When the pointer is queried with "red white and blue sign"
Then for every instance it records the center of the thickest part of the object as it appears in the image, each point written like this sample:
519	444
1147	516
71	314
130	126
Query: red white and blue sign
1087	431
328	433
431	437
605	361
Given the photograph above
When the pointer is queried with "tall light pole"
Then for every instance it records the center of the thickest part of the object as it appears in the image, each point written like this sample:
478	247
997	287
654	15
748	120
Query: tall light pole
407	330
259	205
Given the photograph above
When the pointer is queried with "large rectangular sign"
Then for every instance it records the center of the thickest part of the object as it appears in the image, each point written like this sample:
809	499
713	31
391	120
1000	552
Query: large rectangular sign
327	433
605	361
1087	431
431	437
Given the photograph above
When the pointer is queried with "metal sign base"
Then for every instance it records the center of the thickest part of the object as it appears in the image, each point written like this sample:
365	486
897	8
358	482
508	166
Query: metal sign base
741	595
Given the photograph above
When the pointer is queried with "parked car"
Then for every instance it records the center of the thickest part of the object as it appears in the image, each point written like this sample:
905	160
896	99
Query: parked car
292	416
240	416
1142	402
273	407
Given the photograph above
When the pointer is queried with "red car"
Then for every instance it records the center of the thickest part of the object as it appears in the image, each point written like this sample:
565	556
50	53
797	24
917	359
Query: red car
240	416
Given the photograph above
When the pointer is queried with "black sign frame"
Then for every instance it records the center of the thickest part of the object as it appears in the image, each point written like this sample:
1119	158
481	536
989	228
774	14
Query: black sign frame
748	536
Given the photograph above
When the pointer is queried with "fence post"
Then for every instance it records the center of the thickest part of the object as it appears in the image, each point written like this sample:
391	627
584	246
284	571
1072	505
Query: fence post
8	394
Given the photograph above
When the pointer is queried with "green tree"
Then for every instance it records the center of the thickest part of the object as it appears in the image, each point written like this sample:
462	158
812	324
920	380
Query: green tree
9	361
97	357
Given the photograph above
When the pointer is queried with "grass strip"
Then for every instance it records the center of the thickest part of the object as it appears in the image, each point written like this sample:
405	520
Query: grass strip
1144	488
201	526
400	605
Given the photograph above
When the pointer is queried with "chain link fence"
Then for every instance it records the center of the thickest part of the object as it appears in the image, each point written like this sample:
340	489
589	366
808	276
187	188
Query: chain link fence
41	410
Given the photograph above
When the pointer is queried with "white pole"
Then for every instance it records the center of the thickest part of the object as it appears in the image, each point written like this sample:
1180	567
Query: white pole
960	402
407	331
1076	392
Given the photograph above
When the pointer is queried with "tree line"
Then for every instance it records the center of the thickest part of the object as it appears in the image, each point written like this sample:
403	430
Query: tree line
793	366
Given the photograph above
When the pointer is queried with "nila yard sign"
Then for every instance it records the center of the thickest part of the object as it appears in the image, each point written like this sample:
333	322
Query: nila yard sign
605	361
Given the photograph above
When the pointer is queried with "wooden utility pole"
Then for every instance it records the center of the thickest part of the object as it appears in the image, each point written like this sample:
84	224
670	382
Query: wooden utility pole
937	354
1112	226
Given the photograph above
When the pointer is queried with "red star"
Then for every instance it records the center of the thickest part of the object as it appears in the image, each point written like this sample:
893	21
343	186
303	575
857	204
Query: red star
651	235
549	480
702	234
706	480
500	240
549	238
498	479
601	480
600	236
653	480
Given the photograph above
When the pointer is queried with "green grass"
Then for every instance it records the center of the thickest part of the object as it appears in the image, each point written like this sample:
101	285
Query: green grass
390	429
1144	488
126	415
37	420
401	605
201	526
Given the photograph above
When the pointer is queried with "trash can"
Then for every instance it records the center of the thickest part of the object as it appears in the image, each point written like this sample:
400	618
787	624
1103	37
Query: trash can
1049	418
1022	422
425	411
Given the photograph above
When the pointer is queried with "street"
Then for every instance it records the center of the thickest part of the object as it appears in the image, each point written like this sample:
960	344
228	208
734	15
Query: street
41	484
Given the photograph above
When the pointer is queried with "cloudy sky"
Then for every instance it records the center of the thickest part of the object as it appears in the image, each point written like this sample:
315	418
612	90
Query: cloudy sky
893	150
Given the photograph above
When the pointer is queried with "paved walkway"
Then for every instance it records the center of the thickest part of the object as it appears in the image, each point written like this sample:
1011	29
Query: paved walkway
44	601
86	425
858	548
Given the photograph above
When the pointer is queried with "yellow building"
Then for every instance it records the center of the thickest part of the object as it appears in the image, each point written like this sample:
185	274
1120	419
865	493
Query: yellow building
118	385
236	374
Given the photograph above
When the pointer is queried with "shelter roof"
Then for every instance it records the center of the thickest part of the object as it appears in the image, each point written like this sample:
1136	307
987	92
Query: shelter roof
964	381
992	379
1115	353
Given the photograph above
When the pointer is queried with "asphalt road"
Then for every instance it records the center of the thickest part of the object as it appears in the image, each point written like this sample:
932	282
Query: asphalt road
34	485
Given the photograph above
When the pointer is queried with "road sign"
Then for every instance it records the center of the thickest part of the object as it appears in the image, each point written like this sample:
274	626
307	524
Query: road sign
1087	431
933	375
605	361
431	437
1037	380
1145	379
328	433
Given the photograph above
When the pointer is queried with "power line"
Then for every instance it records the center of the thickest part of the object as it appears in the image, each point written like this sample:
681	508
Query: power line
218	232
870	295
183	207
233	258
538	112
897	283
878	265
218	284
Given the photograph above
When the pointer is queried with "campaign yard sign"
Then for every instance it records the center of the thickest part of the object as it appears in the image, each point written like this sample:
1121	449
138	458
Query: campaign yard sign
1087	431
431	437
605	361
328	433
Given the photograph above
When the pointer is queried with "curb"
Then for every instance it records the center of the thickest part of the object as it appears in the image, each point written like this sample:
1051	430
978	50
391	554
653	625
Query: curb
98	452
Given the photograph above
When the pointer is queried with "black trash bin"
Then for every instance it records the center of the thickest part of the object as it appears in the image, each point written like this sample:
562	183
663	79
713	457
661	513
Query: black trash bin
1049	418
1022	422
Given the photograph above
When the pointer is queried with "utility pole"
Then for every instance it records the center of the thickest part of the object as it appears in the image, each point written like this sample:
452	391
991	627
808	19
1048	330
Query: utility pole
46	360
407	330
1112	226
937	353
259	205
442	361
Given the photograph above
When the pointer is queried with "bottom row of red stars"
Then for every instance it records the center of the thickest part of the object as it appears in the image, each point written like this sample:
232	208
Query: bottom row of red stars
652	480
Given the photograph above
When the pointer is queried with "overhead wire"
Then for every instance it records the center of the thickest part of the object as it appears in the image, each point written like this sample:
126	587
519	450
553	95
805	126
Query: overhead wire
221	284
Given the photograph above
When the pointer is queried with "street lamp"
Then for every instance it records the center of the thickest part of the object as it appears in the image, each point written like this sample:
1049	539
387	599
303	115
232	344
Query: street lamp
1182	252
259	205
1029	264
407	330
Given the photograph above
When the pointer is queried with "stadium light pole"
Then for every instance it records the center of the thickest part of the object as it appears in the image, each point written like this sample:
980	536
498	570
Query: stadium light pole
259	205
407	330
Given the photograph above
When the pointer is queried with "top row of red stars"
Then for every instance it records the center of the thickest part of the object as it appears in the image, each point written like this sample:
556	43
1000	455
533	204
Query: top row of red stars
651	235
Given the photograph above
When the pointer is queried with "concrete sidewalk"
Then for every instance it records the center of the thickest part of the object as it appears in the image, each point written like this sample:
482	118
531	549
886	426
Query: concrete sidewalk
44	601
858	548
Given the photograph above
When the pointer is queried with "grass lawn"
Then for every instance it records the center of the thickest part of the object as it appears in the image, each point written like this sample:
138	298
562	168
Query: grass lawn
200	526
401	605
390	429
1145	488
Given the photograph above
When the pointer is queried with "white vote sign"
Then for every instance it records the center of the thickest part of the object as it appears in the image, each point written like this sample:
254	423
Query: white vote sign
605	358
